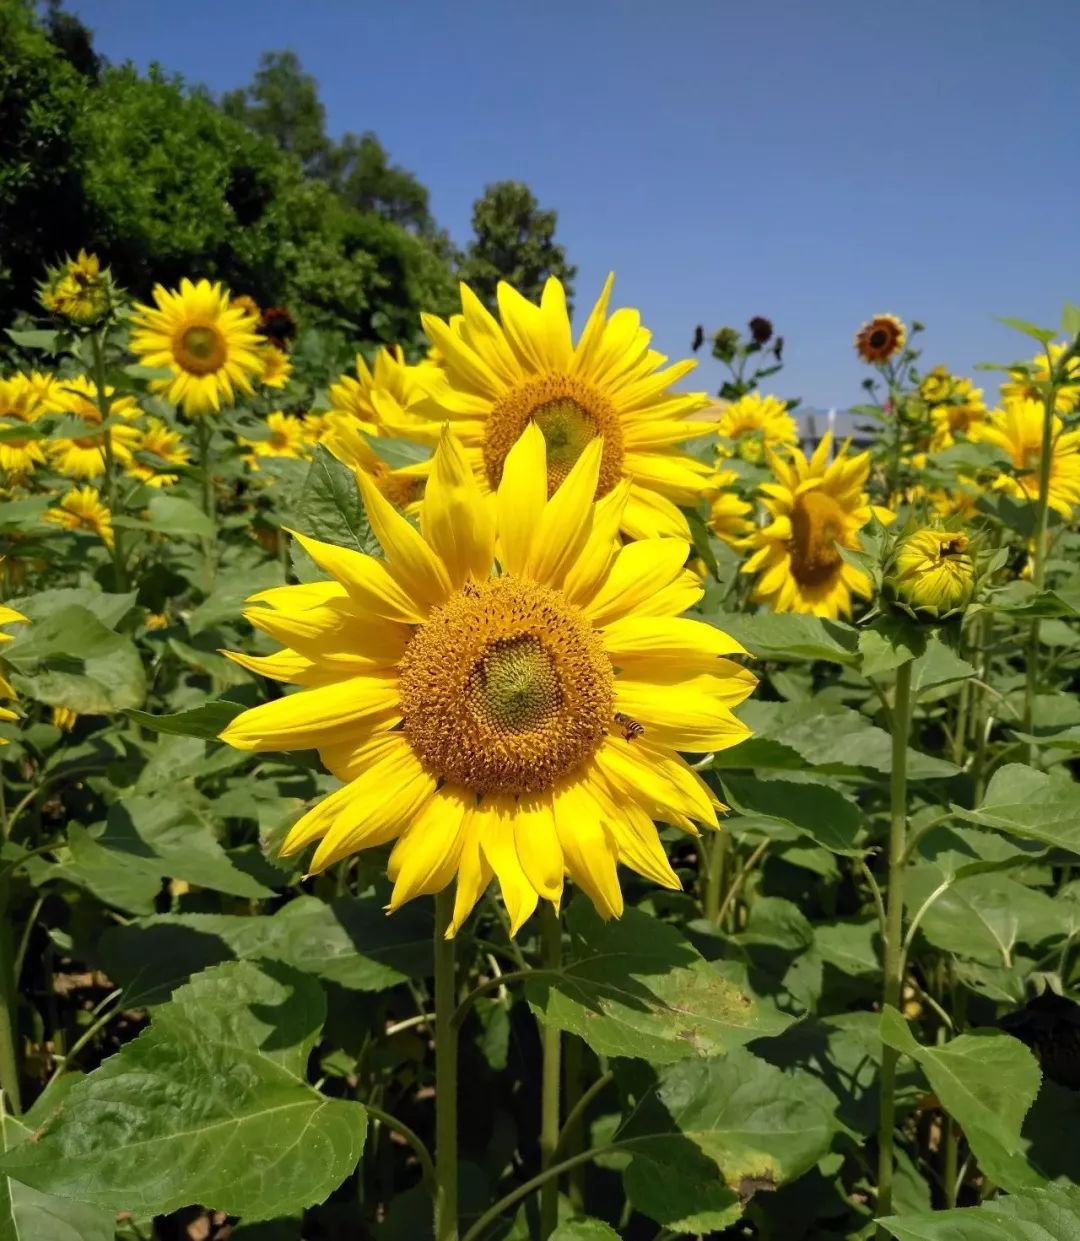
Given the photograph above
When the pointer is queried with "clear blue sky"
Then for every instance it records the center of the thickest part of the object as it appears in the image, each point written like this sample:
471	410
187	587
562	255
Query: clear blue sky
815	162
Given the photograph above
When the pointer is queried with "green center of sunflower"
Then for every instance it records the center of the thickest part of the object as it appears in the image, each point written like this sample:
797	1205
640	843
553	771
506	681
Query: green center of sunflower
817	522
570	414
200	349
515	684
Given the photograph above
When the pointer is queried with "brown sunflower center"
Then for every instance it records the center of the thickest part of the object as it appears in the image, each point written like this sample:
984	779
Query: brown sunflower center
199	349
879	338
817	522
570	414
506	688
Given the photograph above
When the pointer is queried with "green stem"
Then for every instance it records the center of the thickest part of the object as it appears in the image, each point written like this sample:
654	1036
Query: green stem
446	1083
1038	568
571	1137
740	878
427	1167
981	716
551	1036
104	405
204	434
9	1010
714	877
577	1113
894	927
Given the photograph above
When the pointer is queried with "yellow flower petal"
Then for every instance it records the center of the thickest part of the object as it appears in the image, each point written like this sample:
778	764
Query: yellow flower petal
305	719
498	847
367	580
522	498
588	847
566	521
412	563
425	858
639	571
538	848
455	518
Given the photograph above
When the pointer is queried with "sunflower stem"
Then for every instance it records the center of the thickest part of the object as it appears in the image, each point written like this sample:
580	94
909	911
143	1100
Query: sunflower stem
894	927
1038	567
551	959
714	875
446	1083
204	434
9	1012
97	347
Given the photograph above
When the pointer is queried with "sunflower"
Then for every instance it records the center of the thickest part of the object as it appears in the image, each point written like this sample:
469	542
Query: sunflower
402	486
817	506
63	718
21	404
82	509
8	616
381	396
880	339
84	456
158	440
959	414
209	344
277	368
1017	430
524	722
729	513
286	439
931	575
753	423
78	290
315	426
522	369
1029	385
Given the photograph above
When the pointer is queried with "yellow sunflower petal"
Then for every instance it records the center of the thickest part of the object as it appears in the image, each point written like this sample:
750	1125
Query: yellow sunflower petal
412	563
588	847
522	497
455	519
302	720
639	571
498	847
425	858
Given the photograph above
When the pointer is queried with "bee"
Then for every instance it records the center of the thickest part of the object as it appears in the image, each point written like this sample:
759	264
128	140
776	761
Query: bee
631	729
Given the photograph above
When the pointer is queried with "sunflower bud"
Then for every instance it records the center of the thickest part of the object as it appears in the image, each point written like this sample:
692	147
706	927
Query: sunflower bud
931	575
725	343
79	291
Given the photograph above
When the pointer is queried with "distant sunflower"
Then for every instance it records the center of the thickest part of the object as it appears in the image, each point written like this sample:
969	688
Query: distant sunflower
523	369
960	414
1017	430
8	616
381	397
880	339
286	439
83	456
403	486
1029	386
817	506
158	445
210	345
753	423
522	722
83	510
277	367
729	514
21	404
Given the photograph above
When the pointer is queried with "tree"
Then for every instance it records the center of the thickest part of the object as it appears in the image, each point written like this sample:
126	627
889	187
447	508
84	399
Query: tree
364	177
283	104
515	242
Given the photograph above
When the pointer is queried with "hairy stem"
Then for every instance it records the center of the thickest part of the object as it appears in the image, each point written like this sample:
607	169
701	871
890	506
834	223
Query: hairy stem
446	1083
551	1036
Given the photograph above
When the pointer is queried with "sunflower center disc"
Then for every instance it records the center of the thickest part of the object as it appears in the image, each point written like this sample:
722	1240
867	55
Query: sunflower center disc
200	349
817	521
506	688
570	414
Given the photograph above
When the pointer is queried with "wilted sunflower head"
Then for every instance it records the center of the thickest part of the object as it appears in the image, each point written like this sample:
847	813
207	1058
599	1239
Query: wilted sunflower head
761	330
880	339
931	575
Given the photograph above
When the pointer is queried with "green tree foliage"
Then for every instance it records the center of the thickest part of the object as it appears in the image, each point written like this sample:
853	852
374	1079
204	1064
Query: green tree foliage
282	103
515	241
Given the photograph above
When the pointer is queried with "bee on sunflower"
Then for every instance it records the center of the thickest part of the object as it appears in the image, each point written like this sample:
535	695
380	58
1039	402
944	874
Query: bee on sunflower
466	688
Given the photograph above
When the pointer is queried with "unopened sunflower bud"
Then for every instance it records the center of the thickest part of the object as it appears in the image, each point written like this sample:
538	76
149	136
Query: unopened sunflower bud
724	344
931	576
79	291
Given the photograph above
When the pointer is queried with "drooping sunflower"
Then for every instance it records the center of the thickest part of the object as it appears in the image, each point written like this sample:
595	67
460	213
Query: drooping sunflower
21	404
82	509
1017	429
83	456
524	369
381	397
209	344
158	445
286	439
402	486
523	721
1023	385
729	514
816	505
880	339
753	423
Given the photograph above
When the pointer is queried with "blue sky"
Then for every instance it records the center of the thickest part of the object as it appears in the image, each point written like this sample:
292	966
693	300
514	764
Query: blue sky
812	162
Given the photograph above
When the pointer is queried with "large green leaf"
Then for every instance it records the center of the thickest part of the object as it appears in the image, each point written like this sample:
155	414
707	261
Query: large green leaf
813	810
205	721
636	987
987	1081
157	837
584	1230
1030	803
1051	1214
209	1105
109	609
351	942
71	658
711	1132
329	506
27	1214
791	636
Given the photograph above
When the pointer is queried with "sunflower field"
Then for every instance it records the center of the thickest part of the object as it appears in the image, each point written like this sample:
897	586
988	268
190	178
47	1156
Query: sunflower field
502	794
